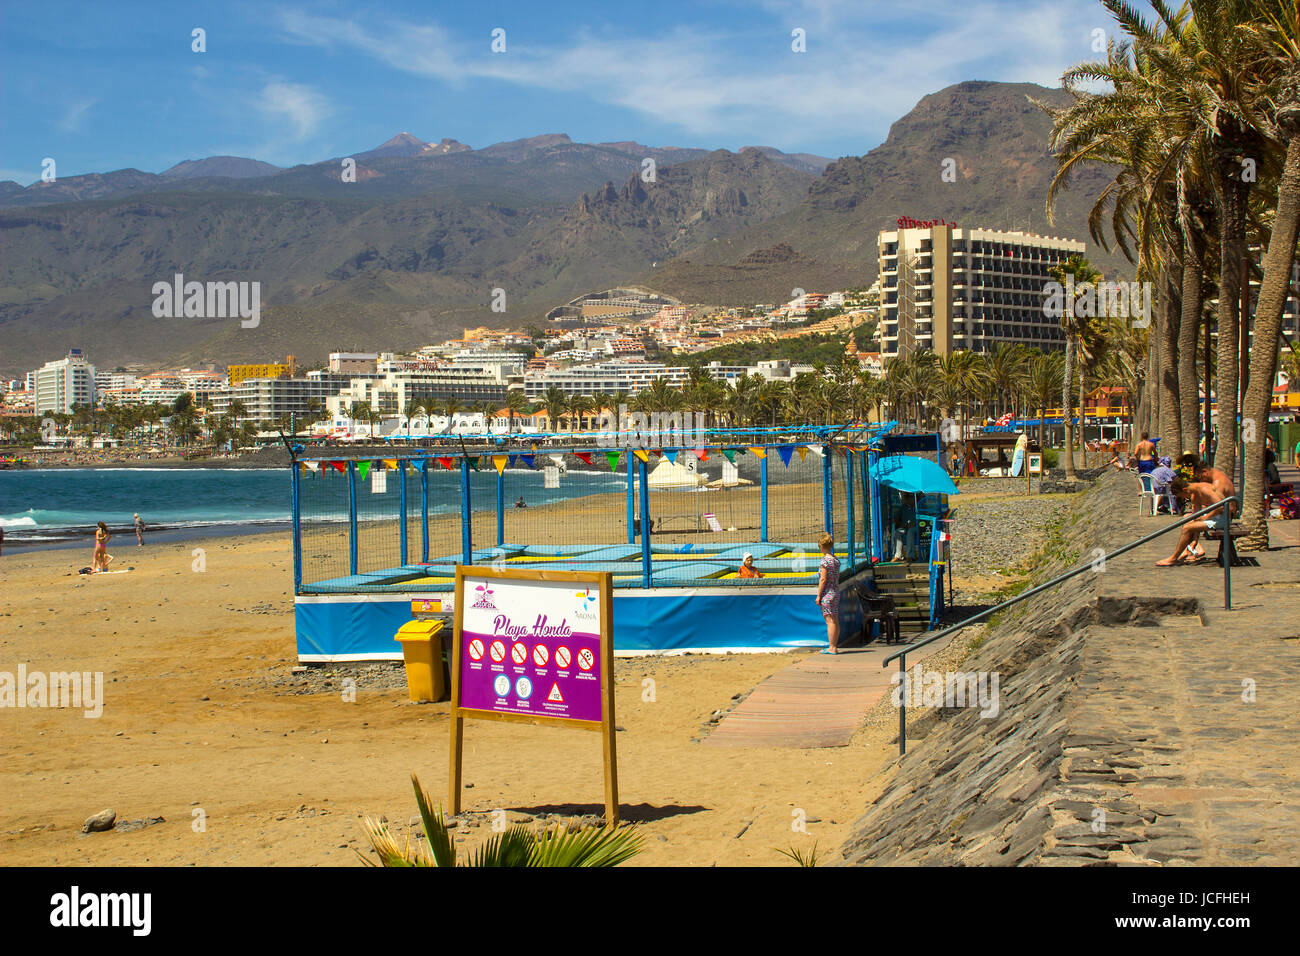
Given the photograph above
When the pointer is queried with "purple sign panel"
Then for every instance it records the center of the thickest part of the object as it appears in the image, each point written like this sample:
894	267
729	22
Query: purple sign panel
531	647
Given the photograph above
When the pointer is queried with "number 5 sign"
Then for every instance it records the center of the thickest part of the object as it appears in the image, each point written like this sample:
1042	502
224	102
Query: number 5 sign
535	646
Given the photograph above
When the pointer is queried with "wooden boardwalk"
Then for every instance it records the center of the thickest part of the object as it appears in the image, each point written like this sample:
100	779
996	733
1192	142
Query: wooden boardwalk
818	701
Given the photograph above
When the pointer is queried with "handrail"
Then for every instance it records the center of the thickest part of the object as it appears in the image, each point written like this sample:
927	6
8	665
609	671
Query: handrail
901	655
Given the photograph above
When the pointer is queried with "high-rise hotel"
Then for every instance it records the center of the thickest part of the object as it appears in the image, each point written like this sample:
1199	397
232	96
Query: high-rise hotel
947	288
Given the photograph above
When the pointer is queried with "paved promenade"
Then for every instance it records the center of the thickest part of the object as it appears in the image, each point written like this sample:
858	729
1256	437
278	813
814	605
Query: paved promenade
1141	723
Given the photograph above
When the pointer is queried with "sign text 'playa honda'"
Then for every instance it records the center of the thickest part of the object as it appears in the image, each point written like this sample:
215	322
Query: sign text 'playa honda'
208	300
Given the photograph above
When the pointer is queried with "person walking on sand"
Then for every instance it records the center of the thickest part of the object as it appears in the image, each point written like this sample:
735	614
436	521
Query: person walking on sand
828	592
1202	495
101	558
139	531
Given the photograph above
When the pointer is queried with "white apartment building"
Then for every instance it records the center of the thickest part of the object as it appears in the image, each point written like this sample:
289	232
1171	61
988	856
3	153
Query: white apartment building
63	383
948	288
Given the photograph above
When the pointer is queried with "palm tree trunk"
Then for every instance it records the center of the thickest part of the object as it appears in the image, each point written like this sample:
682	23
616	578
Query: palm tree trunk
1273	293
1188	327
1232	249
1171	427
1066	394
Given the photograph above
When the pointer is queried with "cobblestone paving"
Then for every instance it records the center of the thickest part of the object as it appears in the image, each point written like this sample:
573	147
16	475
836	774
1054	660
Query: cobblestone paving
1141	723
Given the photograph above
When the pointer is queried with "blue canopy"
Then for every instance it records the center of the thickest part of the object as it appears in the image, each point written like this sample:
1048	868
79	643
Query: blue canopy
918	475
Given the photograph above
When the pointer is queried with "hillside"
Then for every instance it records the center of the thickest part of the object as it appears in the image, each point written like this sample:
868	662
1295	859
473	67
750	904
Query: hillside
412	250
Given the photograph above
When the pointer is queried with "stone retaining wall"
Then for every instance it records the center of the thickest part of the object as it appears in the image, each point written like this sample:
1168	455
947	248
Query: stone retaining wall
1042	781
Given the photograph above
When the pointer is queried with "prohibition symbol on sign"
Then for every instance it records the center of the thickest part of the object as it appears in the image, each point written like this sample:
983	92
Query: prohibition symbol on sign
586	659
476	650
541	655
497	651
562	657
555	694
519	653
524	688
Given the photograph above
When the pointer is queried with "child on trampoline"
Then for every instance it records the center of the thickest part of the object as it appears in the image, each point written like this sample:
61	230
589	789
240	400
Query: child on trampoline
828	592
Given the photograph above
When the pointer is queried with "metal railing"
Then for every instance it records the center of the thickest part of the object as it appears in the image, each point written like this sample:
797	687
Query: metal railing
1227	552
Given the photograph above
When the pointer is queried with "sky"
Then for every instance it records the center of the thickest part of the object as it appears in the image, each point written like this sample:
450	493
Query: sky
101	86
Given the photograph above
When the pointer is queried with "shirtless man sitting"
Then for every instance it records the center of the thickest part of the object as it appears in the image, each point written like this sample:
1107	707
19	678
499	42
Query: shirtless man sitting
1202	495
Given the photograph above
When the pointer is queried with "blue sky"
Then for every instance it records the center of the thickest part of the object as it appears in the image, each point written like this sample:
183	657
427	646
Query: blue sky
108	85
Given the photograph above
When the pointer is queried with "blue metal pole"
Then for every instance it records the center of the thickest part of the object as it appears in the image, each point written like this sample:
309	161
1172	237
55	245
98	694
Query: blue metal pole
645	524
466	539
424	510
501	507
877	542
762	494
827	451
848	508
401	493
352	517
631	487
866	506
296	494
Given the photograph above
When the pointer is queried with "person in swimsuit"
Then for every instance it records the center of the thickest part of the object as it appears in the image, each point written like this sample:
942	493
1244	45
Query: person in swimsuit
828	592
101	558
139	531
1202	495
1146	455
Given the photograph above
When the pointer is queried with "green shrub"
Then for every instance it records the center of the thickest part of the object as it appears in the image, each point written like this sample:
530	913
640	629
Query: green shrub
1051	457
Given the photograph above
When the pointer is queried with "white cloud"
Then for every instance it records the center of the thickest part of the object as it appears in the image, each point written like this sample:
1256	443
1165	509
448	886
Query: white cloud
75	115
295	104
866	65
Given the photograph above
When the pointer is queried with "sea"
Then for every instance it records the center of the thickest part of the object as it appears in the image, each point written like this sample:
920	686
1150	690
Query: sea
54	507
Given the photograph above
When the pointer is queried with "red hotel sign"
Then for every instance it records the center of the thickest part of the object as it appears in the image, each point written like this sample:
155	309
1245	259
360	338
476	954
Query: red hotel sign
907	222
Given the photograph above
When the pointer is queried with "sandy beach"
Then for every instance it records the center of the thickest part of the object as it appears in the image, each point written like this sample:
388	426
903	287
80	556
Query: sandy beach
201	713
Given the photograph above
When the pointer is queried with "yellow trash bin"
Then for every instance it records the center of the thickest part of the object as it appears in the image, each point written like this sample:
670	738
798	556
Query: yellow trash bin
422	652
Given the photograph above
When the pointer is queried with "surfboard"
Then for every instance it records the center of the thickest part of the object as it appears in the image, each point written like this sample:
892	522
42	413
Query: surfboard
1017	462
95	574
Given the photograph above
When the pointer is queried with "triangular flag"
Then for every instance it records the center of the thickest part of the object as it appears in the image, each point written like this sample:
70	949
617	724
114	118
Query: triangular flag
640	454
656	452
500	462
612	457
731	454
390	463
803	452
671	456
477	462
339	466
758	452
513	460
445	462
528	460
702	454
559	460
363	469
785	451
583	456
311	465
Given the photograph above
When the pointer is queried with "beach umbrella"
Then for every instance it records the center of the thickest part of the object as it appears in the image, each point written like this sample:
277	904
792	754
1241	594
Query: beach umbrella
913	475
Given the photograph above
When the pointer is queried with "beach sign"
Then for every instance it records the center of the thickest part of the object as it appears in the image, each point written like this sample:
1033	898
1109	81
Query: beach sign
712	521
534	646
379	481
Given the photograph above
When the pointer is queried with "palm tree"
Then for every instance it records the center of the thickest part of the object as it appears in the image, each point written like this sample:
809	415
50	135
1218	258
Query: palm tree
414	408
1074	326
1043	380
556	402
516	402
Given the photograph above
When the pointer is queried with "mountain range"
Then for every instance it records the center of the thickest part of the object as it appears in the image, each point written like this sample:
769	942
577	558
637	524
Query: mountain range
412	250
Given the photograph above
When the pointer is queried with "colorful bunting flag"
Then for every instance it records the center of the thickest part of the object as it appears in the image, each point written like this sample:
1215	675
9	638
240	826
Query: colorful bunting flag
500	462
612	457
339	466
758	452
514	460
731	454
785	451
445	462
671	456
583	456
803	452
702	454
363	469
390	463
640	454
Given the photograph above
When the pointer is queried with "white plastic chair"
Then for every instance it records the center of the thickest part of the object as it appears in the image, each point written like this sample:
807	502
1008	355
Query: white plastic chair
1147	494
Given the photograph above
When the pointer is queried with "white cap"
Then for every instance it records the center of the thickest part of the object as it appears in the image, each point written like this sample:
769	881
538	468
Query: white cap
747	557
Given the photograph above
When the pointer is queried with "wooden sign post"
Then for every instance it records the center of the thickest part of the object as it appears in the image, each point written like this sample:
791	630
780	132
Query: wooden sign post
537	647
